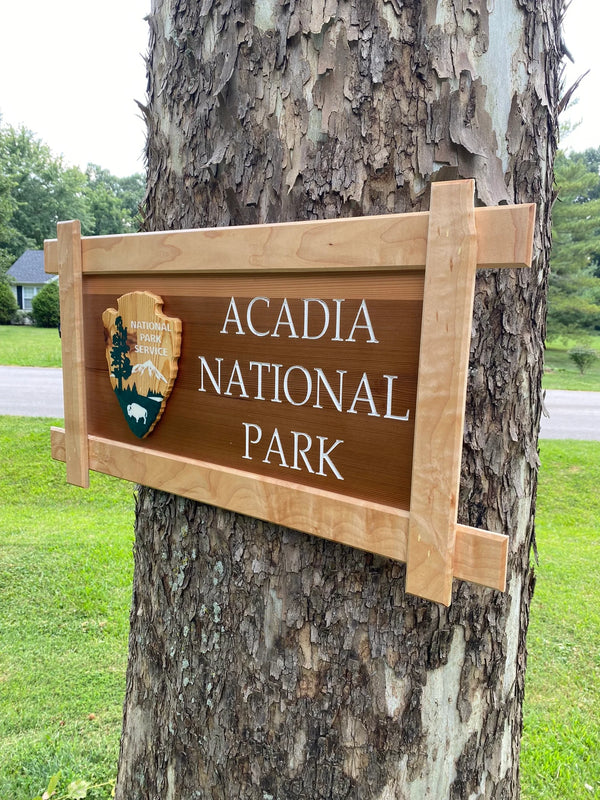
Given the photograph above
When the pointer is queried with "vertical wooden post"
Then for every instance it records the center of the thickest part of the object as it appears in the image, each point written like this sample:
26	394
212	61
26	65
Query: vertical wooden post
443	363
71	315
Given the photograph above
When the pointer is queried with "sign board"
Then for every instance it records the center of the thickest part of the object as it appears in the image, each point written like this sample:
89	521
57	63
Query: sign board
310	374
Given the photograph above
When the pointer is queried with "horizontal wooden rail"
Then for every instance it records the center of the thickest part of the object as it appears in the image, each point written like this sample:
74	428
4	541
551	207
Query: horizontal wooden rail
391	241
479	556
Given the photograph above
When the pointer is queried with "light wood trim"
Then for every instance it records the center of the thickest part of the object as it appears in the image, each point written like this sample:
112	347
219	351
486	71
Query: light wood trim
480	556
505	236
441	390
71	313
389	241
51	256
377	528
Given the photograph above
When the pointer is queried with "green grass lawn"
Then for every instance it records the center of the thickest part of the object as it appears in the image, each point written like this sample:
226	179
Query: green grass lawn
65	586
561	744
561	373
65	582
26	346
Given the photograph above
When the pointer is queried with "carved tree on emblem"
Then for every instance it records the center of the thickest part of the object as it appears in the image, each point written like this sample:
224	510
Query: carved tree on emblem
120	363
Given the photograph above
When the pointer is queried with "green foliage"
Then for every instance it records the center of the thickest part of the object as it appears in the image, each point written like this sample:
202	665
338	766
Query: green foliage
38	189
43	190
8	303
114	202
76	790
574	286
45	306
583	358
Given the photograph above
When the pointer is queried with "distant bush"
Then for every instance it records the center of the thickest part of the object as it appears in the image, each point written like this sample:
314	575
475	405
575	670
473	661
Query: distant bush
583	358
8	303
22	317
45	306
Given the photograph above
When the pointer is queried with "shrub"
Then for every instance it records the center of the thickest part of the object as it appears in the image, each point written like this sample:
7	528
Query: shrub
8	303
22	317
45	308
582	358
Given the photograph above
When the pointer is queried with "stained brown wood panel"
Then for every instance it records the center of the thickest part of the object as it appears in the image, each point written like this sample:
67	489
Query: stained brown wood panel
375	455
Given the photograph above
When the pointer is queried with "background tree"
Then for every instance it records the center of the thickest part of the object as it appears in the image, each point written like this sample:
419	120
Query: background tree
37	189
574	289
263	662
113	202
43	190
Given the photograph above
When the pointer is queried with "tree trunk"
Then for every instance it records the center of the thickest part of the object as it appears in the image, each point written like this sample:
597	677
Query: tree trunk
265	663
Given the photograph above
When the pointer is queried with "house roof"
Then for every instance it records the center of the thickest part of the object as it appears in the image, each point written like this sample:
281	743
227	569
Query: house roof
29	268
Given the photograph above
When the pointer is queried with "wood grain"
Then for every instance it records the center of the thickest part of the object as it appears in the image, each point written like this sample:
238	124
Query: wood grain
72	333
389	241
368	526
376	454
423	261
441	389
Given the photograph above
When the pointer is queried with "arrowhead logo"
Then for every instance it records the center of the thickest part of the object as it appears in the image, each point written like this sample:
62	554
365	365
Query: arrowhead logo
142	352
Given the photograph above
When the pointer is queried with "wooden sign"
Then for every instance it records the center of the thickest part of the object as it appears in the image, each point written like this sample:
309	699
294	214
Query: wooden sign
310	374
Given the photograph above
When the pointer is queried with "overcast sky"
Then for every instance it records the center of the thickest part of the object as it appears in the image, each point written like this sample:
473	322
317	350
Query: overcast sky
71	70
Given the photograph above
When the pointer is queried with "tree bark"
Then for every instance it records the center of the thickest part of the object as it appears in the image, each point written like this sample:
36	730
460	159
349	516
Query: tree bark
265	663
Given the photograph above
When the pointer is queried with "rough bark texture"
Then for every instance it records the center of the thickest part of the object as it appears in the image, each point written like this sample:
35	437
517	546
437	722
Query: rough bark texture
265	663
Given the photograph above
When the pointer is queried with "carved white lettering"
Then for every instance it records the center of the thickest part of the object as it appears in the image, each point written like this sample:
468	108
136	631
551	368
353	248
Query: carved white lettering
276	447
249	315
324	456
321	379
144	325
325	308
249	441
299	386
286	387
284	311
261	365
145	349
363	310
215	382
314	324
368	398
300	447
236	380
302	451
235	318
388	406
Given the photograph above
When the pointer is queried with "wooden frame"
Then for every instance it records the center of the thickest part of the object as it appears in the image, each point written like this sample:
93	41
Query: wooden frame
450	242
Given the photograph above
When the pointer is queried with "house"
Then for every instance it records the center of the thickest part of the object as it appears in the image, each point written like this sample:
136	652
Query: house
28	277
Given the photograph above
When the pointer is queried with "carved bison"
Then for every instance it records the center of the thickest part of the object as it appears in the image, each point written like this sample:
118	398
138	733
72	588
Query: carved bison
137	412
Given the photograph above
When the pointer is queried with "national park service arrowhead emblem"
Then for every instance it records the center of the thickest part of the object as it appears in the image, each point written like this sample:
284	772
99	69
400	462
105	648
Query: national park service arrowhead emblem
142	352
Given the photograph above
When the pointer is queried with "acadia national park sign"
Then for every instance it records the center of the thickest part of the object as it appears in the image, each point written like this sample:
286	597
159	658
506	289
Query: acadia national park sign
310	374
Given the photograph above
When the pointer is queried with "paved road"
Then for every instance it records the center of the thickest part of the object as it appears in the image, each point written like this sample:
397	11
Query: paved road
35	392
572	415
31	392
